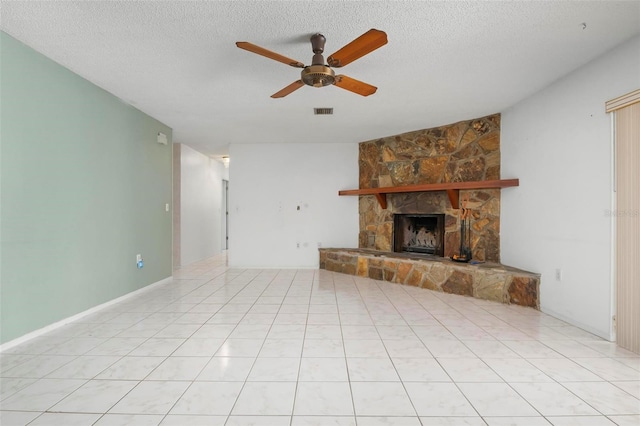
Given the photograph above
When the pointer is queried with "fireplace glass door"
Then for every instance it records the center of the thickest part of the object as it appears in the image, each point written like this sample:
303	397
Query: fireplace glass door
419	233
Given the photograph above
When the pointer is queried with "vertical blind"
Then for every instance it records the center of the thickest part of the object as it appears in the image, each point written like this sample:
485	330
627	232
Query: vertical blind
627	216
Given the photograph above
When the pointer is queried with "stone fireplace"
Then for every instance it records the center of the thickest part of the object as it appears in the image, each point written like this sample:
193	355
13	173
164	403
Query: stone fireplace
419	233
408	235
460	152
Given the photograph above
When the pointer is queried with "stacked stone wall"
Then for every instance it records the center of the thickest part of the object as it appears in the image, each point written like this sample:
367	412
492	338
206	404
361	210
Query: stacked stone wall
461	152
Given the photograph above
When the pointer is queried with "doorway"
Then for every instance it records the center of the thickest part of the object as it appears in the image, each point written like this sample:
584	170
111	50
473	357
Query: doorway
225	215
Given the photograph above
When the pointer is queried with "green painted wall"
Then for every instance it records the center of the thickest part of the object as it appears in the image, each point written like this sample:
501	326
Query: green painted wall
83	190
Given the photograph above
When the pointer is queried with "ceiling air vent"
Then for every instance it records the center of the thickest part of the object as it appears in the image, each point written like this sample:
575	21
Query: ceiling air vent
323	111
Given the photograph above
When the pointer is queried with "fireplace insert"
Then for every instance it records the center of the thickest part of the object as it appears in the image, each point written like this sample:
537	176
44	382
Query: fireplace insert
419	233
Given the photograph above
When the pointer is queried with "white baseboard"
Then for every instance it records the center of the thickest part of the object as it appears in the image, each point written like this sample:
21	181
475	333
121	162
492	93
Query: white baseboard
39	332
600	333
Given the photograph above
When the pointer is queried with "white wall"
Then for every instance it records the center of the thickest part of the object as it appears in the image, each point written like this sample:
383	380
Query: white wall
200	205
267	184
558	142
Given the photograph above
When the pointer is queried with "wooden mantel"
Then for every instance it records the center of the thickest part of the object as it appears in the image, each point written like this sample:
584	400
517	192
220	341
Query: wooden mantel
452	188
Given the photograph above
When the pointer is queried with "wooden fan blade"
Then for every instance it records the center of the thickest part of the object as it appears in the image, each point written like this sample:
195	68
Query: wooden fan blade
366	43
268	54
355	86
290	88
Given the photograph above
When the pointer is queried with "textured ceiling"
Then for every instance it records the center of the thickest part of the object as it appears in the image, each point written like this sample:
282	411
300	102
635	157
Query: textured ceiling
445	61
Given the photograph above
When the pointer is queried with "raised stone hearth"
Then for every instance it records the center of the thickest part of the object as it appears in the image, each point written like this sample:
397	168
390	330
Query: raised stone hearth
489	281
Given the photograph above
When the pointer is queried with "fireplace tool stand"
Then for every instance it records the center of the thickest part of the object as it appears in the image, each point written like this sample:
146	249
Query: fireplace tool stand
464	255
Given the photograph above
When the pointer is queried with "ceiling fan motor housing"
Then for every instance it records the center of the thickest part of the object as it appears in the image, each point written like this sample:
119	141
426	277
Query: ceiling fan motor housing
318	75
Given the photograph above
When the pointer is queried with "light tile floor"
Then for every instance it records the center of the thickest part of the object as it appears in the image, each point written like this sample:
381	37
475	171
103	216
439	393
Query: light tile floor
219	346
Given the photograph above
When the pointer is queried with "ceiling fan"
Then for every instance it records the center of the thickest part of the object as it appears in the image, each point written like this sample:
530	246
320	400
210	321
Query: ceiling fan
318	74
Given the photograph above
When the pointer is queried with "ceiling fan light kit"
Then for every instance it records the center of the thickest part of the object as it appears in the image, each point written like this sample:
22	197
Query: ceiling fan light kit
319	74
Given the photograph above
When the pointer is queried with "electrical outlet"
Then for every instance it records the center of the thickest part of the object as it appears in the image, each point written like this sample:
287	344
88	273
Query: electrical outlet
558	274
139	261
